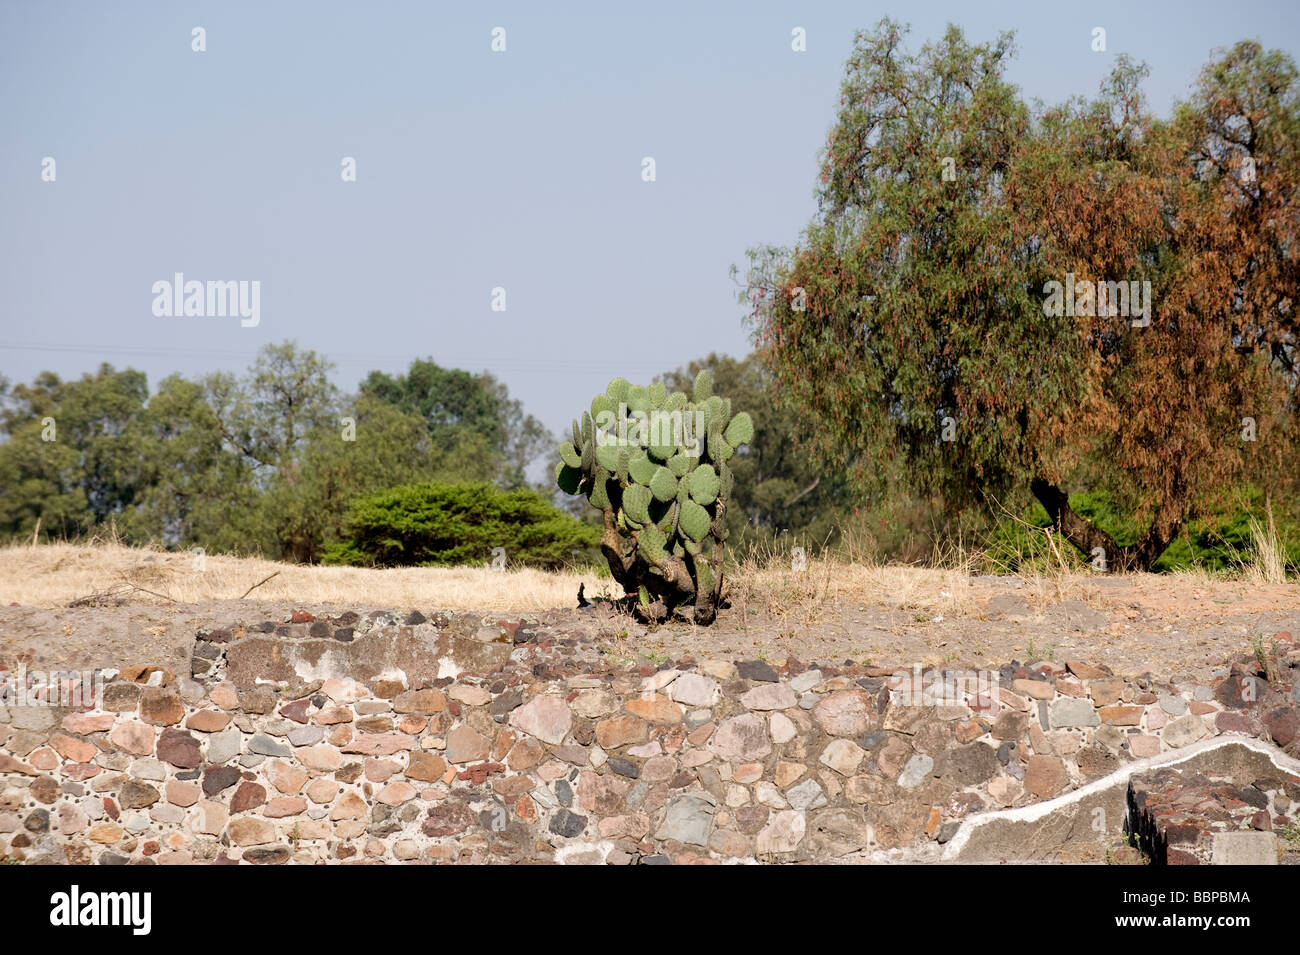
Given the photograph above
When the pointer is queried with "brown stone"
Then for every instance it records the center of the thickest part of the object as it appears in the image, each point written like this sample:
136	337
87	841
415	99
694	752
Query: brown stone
73	750
349	806
282	806
160	707
464	745
287	777
182	794
1121	715
1045	776
250	831
208	721
137	795
423	702
426	767
247	797
620	731
525	754
656	708
1010	725
1105	692
179	748
1085	671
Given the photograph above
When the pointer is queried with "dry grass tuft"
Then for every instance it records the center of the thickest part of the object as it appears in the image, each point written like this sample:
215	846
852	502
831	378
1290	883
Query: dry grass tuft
55	575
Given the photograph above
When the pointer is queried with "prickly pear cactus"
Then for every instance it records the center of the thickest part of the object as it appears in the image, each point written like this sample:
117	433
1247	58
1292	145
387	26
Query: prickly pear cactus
656	464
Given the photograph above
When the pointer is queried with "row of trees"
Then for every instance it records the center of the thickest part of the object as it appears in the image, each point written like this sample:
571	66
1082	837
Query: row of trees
264	463
920	321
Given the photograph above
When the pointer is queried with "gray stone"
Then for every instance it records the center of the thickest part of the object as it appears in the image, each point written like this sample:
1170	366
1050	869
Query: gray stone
689	819
806	681
38	718
1183	731
251	760
806	795
694	689
1072	711
148	768
265	746
1244	848
1203	694
914	773
1173	705
769	696
306	735
568	824
741	739
224	746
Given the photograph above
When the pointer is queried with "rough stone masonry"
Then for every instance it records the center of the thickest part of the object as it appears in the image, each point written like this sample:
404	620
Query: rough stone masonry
391	738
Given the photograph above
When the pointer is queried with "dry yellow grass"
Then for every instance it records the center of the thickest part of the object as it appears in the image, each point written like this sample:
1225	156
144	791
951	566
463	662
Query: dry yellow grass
50	575
56	574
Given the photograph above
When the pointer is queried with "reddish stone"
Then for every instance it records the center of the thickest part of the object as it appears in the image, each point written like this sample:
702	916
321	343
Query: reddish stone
247	796
526	809
73	750
179	748
208	721
302	616
479	773
296	711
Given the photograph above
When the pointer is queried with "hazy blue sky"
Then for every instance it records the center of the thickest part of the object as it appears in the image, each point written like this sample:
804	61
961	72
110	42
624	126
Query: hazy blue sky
475	169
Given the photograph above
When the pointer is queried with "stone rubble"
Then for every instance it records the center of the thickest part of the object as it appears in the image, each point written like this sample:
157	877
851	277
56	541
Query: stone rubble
519	741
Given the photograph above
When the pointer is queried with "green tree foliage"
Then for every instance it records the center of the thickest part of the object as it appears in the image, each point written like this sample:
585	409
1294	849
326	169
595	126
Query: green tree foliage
71	454
442	524
910	323
452	402
263	463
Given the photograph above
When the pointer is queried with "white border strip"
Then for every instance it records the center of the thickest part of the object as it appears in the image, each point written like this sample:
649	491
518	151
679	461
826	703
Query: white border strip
1172	758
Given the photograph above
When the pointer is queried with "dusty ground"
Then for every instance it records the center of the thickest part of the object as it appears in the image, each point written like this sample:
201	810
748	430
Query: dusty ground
1177	627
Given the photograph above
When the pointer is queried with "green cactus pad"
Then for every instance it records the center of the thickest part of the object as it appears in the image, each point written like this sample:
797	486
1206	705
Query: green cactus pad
570	456
638	398
617	391
599	495
640	468
663	485
740	430
658	394
703	385
679	464
694	521
650	543
601	404
589	455
676	401
636	503
725	482
607	457
623	463
719	450
704	484
692	548
567	478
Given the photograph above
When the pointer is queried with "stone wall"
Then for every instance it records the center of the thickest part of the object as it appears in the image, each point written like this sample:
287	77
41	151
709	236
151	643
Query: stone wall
402	738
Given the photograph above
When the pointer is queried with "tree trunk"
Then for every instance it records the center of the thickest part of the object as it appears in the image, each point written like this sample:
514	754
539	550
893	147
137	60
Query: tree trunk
1094	542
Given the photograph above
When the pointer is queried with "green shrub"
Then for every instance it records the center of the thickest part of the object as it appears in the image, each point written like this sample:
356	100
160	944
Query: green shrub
447	524
1221	541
